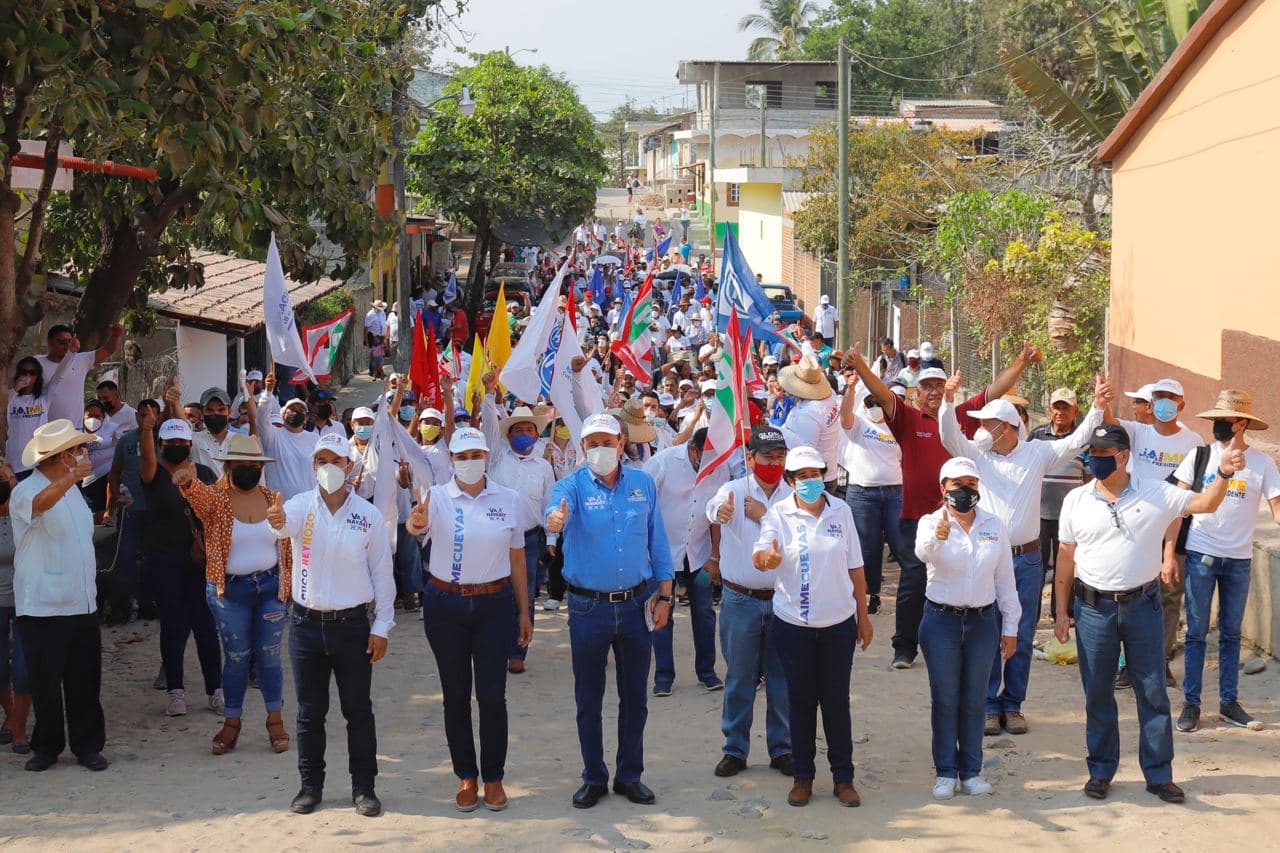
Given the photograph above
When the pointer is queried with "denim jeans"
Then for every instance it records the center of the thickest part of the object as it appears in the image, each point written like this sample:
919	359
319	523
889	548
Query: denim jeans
184	612
910	599
1101	630
535	542
250	620
467	635
319	650
408	564
14	676
1231	577
748	647
702	615
1028	574
819	665
129	554
876	513
957	651
595	628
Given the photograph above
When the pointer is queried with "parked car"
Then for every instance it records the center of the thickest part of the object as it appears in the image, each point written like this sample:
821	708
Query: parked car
484	319
784	302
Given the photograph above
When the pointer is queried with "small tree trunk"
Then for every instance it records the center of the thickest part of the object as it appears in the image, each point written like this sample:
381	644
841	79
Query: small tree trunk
474	298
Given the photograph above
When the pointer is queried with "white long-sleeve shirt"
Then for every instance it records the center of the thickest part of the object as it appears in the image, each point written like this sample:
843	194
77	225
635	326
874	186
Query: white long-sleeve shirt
816	423
530	477
738	535
1010	483
970	569
340	559
291	473
684	504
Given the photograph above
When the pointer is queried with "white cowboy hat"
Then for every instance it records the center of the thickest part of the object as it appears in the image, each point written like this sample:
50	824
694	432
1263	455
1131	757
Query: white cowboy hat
639	431
522	415
243	448
805	380
53	437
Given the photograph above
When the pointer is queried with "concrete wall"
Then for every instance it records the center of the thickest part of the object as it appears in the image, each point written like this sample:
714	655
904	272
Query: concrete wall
203	361
760	229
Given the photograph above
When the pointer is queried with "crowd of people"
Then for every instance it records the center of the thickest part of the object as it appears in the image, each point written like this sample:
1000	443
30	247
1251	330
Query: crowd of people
240	518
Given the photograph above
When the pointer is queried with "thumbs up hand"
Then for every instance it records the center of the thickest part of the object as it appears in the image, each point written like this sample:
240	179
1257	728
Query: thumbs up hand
768	560
725	513
944	526
275	511
558	517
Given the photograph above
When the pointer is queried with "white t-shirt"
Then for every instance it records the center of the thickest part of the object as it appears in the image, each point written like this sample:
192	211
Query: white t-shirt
816	423
26	413
1120	552
125	417
870	454
812	587
67	400
1228	532
472	538
1154	456
102	451
824	320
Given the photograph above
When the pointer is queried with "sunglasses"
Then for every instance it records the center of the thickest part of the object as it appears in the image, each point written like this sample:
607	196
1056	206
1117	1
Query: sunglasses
27	373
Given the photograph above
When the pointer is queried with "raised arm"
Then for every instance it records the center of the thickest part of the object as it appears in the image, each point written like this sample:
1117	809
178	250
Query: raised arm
875	387
108	348
1079	437
953	438
1008	378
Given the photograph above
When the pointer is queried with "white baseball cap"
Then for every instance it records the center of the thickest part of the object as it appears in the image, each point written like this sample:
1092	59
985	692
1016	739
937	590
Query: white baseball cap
1063	395
175	428
770	359
295	402
1001	410
333	443
362	412
685	383
826	300
1143	393
956	467
926	350
1169	386
707	385
932	373
913	353
431	414
468	438
606	424
804	456
254	374
665	399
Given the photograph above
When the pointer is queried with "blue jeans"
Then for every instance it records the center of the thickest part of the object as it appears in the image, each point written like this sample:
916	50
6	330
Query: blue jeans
1231	576
876	514
912	578
702	614
1028	574
408	564
466	635
957	651
320	650
749	650
595	628
535	542
250	619
1101	630
819	665
16	675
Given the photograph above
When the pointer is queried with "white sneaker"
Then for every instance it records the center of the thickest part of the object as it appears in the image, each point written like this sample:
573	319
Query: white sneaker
217	704
551	604
944	787
976	786
177	703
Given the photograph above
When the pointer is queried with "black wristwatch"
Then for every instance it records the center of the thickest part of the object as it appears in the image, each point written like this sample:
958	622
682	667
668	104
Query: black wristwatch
668	599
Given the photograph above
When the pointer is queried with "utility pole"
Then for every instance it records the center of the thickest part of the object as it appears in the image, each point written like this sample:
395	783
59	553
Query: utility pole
711	165
764	151
842	197
404	287
622	157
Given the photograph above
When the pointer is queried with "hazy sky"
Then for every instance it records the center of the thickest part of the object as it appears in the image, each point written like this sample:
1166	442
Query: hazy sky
609	49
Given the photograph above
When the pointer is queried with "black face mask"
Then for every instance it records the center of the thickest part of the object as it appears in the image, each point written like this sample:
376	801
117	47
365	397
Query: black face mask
5	489
324	410
962	498
245	477
175	454
294	418
1223	431
215	423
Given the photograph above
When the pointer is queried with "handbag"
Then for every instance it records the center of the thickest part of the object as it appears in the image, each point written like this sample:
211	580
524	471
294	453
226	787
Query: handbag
198	556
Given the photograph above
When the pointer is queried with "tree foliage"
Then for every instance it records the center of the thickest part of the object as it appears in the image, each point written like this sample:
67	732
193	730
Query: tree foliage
784	23
614	128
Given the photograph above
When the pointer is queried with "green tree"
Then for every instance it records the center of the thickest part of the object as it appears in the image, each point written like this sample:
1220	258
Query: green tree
529	148
784	23
614	137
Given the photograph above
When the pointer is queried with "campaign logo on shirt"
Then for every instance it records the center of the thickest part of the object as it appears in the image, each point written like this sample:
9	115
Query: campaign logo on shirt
496	513
802	540
459	538
1236	486
873	434
988	536
835	530
637	496
359	523
1164	459
596	502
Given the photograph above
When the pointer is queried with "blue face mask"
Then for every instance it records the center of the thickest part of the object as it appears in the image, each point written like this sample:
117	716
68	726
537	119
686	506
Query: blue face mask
809	490
1102	467
1164	409
407	413
522	443
363	432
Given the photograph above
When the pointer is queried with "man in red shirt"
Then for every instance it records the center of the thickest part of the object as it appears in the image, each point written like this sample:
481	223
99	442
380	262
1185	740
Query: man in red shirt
458	329
916	430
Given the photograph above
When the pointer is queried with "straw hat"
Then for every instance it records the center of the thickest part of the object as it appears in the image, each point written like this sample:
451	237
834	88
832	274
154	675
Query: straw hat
1233	403
243	448
805	380
53	437
522	415
639	430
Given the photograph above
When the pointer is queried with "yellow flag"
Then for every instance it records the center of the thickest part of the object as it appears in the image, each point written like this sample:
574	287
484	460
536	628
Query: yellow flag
479	367
499	344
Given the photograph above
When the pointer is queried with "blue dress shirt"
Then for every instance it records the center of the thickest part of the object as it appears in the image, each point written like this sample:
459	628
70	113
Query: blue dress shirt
614	538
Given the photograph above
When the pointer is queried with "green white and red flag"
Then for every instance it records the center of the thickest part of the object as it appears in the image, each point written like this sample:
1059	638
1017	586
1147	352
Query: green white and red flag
729	416
633	346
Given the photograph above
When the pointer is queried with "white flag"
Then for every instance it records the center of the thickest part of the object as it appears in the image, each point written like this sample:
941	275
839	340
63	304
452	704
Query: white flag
562	377
523	374
277	314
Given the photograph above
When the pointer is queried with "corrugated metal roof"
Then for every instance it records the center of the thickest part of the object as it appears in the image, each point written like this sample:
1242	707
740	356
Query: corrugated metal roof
946	102
427	86
793	200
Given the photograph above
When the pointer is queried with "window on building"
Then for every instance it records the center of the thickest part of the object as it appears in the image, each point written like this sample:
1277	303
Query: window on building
766	93
824	95
732	195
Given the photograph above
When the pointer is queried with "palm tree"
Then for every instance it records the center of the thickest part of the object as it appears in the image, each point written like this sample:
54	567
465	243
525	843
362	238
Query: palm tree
785	23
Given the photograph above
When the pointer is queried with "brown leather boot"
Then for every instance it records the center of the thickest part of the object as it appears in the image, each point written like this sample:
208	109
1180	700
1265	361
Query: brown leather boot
18	722
847	794
801	792
495	799
467	798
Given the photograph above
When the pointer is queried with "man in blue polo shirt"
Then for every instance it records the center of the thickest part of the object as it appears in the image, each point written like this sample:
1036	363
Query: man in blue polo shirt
615	551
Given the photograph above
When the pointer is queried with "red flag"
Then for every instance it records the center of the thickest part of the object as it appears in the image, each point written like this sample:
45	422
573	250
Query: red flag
572	308
424	363
633	346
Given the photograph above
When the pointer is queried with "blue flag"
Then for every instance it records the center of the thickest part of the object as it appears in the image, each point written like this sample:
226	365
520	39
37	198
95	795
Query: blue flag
597	287
622	314
699	289
659	250
675	290
740	290
451	287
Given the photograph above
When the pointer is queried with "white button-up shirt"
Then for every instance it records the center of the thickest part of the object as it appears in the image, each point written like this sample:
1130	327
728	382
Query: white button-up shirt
970	569
824	320
340	559
375	322
684	503
816	423
812	587
531	476
472	538
55	570
738	535
292	472
1010	484
204	447
1120	552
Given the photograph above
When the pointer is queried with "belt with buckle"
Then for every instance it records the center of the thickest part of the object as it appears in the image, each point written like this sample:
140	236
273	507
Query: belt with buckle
359	611
1030	548
611	597
762	594
469	589
961	611
1090	595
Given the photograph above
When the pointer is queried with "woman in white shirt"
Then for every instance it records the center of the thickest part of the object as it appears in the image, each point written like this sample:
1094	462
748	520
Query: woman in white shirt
29	401
102	450
477	568
971	608
819	616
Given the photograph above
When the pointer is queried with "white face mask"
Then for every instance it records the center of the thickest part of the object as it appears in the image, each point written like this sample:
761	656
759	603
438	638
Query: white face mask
983	440
469	471
330	477
875	414
602	460
92	424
